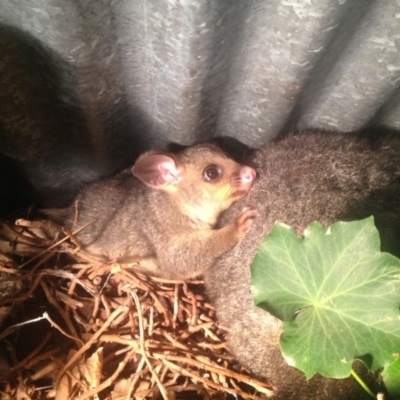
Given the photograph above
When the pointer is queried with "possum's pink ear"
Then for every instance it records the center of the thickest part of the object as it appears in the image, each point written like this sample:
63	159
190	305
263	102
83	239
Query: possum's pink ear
156	169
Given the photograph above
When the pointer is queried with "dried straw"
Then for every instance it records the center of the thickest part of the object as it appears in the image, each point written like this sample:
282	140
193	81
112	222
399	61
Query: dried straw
106	332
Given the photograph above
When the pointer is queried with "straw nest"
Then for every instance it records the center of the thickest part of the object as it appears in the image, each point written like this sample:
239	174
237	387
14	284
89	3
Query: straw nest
74	328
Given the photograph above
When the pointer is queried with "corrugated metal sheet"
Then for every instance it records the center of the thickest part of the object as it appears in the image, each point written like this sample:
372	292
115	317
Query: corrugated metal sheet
86	85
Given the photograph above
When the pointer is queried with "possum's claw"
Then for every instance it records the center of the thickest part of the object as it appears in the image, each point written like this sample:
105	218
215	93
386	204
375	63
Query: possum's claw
244	221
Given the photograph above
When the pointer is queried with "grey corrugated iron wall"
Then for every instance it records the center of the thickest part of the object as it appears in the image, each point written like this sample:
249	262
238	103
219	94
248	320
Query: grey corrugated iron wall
86	84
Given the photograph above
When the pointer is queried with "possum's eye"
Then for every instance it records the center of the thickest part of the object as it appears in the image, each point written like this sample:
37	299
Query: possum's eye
211	173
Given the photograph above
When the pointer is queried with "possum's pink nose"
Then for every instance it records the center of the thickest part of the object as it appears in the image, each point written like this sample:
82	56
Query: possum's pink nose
247	174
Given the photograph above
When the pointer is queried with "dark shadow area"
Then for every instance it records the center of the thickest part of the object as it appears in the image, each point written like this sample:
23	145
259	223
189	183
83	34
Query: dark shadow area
377	133
15	193
384	205
47	148
231	146
234	148
45	136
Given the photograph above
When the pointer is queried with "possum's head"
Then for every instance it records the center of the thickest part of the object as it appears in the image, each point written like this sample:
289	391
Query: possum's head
201	179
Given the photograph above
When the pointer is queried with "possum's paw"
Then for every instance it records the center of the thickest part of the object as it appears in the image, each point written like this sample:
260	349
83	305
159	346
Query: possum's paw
244	221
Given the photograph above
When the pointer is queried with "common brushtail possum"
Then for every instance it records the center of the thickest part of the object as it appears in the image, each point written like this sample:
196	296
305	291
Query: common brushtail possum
162	212
303	177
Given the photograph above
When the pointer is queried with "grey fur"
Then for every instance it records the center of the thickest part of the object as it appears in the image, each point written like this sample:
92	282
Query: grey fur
166	228
302	177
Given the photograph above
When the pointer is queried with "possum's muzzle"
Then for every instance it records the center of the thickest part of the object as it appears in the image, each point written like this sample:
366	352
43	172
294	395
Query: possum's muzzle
242	181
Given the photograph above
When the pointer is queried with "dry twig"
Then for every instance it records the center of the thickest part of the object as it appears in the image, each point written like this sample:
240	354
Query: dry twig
166	340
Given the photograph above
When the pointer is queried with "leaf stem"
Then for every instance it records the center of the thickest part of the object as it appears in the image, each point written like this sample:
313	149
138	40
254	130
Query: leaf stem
362	383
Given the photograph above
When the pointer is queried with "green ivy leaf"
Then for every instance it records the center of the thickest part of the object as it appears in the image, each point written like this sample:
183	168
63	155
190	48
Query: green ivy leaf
391	377
337	294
